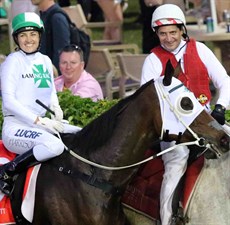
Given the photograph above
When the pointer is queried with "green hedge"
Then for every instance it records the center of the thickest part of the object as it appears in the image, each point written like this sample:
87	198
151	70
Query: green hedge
80	111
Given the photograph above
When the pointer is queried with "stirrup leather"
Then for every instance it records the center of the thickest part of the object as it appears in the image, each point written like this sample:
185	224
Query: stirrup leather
6	183
6	188
5	176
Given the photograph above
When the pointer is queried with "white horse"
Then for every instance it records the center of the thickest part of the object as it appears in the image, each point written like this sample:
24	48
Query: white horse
210	201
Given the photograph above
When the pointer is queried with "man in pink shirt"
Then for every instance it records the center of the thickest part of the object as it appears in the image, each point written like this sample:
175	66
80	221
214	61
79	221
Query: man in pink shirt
74	77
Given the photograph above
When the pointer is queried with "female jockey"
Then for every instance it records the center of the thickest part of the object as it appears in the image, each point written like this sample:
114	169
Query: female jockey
198	66
27	75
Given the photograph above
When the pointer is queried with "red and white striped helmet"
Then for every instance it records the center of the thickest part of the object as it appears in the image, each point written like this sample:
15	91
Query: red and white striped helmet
167	14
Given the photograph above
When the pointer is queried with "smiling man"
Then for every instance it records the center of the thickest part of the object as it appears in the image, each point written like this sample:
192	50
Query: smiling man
74	77
198	66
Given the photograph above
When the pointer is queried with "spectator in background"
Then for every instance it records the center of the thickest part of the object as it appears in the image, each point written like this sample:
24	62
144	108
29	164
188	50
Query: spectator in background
85	4
203	7
113	12
149	38
90	8
20	6
57	33
74	77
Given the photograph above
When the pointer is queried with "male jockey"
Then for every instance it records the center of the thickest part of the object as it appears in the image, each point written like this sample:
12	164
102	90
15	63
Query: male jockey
198	66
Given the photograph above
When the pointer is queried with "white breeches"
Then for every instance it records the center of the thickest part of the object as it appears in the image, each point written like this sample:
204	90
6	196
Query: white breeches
175	164
19	138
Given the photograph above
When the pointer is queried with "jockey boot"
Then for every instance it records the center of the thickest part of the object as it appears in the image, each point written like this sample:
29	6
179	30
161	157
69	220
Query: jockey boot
17	165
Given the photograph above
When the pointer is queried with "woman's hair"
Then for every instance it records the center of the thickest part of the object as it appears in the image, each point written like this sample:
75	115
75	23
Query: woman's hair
72	48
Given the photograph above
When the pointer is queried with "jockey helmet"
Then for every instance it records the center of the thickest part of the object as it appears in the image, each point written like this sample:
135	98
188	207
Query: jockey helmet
26	22
167	14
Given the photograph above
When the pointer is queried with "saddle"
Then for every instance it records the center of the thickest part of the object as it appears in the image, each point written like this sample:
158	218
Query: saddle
143	193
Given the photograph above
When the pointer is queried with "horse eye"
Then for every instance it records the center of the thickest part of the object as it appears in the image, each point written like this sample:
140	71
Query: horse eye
186	104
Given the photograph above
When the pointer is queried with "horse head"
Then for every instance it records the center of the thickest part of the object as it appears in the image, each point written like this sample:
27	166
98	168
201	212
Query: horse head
189	116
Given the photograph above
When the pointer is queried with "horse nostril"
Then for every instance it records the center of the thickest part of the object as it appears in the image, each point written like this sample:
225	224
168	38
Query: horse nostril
224	142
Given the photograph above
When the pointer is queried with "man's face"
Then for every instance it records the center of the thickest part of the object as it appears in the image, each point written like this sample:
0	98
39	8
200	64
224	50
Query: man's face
71	66
36	2
170	37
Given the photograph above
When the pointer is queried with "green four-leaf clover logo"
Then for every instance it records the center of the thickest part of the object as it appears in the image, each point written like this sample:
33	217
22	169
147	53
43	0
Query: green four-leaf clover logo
41	78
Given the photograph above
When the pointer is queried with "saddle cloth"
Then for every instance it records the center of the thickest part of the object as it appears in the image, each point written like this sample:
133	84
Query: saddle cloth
143	193
6	215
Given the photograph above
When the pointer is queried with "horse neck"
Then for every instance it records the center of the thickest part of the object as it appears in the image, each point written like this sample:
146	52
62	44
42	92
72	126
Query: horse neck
136	129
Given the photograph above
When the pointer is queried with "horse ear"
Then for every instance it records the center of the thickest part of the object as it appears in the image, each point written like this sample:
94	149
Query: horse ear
178	69
169	72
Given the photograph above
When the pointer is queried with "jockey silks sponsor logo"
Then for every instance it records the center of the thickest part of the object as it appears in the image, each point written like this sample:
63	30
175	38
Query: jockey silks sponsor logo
41	78
2	211
27	133
202	98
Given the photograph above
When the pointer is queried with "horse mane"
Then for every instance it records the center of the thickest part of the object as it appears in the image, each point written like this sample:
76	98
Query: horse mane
98	131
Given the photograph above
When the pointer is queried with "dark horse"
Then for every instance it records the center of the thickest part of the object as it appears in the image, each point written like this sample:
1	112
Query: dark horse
72	192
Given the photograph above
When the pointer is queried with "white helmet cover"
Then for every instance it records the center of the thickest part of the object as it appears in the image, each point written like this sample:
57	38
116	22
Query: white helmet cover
167	14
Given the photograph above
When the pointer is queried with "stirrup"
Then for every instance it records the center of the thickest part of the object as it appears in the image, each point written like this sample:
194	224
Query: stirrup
179	220
6	188
176	221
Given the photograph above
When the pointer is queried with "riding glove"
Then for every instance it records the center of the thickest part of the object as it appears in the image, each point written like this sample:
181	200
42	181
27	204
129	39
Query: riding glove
57	111
218	114
52	125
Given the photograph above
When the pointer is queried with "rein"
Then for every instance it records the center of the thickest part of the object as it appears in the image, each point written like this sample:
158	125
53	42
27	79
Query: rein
131	165
165	96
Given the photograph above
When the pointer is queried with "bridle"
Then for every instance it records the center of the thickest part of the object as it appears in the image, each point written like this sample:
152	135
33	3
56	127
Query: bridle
199	141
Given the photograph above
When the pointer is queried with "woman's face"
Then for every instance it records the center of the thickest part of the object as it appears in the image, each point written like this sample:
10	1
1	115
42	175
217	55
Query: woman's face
28	41
170	37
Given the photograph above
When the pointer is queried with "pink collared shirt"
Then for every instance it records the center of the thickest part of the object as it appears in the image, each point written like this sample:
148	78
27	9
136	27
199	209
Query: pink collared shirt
86	87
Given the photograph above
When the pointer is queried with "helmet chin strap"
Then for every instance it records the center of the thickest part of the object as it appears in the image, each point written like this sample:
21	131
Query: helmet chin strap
29	53
185	34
